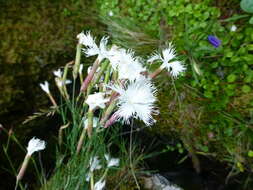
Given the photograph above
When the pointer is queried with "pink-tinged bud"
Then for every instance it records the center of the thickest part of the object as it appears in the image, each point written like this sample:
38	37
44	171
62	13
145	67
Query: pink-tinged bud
86	82
111	121
90	76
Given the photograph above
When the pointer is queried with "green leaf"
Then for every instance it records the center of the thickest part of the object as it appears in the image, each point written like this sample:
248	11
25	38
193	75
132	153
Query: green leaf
240	166
250	153
248	58
234	18
251	20
247	6
205	148
231	86
229	132
229	54
247	79
246	88
208	94
231	78
250	46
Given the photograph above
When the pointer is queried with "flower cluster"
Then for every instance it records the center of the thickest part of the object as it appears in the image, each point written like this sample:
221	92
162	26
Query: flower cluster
118	87
136	95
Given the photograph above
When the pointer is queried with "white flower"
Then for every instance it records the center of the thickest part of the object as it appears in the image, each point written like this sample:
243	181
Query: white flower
87	176
154	57
58	73
95	122
137	101
110	13
45	87
119	56
167	55
80	69
111	161
176	68
86	39
99	185
91	46
128	66
168	62
96	100
35	145
130	71
115	54
95	164
233	28
61	82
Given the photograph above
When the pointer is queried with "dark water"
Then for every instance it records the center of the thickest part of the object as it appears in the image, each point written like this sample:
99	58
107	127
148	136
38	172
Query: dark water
212	176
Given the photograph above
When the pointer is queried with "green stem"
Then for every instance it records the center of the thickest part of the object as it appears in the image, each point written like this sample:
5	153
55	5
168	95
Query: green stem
105	173
107	75
92	181
100	72
80	141
97	76
65	72
130	156
77	60
108	112
90	123
115	75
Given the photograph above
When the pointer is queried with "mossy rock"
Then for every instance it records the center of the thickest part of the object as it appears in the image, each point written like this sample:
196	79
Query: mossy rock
37	38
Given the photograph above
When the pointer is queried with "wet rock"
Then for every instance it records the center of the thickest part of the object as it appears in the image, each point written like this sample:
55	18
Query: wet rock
158	182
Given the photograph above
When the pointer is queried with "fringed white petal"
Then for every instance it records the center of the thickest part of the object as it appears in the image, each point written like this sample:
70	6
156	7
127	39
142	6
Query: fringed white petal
154	57
96	100
95	164
137	101
175	68
35	145
58	73
45	87
99	185
111	161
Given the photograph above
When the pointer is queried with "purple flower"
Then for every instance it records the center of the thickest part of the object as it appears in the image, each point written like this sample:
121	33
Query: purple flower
214	41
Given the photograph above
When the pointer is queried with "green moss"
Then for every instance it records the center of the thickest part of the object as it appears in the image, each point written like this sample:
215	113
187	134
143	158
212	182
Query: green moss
214	109
37	37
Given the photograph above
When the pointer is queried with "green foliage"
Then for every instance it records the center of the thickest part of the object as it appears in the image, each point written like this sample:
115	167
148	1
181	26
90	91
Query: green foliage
247	5
251	20
250	153
75	171
216	104
178	147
